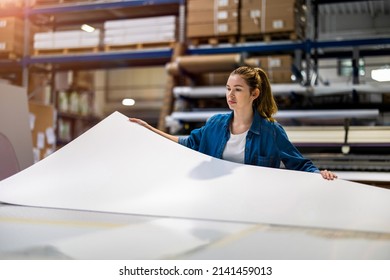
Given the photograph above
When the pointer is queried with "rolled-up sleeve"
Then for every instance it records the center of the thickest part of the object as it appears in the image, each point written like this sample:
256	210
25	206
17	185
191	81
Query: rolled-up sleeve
290	155
193	140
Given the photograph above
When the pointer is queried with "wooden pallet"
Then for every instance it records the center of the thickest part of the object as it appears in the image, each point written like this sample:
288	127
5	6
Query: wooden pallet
56	2
66	51
196	41
269	37
9	55
139	46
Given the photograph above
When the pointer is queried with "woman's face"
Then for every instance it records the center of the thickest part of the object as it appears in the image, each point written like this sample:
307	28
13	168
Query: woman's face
238	94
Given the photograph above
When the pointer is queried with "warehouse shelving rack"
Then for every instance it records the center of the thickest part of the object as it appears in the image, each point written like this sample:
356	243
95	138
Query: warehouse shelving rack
71	14
57	16
66	14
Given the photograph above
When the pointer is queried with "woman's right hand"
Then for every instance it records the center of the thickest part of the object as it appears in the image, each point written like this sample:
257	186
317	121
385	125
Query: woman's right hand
139	121
148	126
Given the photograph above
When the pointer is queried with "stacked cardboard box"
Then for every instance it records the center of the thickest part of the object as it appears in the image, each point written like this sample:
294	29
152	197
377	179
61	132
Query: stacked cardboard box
251	17
42	123
141	30
279	16
11	36
277	67
207	18
265	17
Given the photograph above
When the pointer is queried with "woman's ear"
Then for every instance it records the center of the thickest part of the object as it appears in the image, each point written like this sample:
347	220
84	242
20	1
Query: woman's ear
255	93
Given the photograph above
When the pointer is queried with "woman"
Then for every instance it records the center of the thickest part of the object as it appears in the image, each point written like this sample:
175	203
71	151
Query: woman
249	134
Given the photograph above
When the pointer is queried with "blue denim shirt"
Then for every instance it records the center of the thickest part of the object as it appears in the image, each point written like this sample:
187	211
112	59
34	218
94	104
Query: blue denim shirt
266	144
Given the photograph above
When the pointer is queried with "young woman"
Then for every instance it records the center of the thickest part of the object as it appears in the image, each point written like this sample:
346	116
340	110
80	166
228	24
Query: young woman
249	134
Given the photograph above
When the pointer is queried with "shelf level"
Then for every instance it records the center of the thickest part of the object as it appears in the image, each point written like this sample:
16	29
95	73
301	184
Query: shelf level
258	47
94	6
98	12
104	59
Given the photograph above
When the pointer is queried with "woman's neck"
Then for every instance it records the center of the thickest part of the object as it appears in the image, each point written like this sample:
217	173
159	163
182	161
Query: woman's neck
242	121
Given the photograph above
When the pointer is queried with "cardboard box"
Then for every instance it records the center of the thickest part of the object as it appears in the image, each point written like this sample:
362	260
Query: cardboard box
279	76
193	5
210	29
277	67
251	4
279	16
251	21
43	129
212	16
250	27
11	26
212	79
11	35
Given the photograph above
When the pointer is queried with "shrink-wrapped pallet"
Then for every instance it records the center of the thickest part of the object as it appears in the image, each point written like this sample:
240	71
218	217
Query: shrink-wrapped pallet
140	31
69	39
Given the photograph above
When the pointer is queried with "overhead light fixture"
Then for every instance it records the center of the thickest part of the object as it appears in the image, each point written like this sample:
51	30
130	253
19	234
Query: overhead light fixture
87	28
128	102
381	75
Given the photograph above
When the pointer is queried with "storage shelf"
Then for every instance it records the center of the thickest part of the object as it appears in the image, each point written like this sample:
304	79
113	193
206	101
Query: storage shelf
97	12
202	116
92	6
104	59
289	46
287	89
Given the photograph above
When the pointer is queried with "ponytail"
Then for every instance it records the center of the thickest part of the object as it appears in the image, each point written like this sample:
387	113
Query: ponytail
265	103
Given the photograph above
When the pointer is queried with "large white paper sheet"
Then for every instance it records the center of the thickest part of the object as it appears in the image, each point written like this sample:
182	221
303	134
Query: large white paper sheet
42	233
121	167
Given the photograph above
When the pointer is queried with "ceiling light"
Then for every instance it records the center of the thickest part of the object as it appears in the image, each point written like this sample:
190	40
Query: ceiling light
128	102
87	28
381	75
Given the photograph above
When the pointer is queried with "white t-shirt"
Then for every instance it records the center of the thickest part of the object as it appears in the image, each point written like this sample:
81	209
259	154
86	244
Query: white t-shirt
235	148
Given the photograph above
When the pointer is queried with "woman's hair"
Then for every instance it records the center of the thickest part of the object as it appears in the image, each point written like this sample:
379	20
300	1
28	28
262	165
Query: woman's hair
256	78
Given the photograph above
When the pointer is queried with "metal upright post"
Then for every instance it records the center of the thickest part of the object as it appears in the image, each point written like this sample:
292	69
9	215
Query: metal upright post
26	43
182	23
309	38
355	65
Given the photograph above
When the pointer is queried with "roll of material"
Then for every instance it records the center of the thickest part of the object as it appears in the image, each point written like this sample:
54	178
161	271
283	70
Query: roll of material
209	63
172	68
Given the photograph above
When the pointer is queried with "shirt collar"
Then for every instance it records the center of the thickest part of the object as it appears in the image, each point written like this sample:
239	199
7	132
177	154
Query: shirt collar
228	120
256	123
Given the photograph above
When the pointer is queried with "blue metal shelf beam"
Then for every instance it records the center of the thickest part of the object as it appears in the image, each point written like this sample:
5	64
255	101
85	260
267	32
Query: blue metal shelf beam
247	47
288	46
352	43
203	50
100	57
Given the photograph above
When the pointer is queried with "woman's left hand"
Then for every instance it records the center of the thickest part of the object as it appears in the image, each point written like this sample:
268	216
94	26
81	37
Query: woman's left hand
328	175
